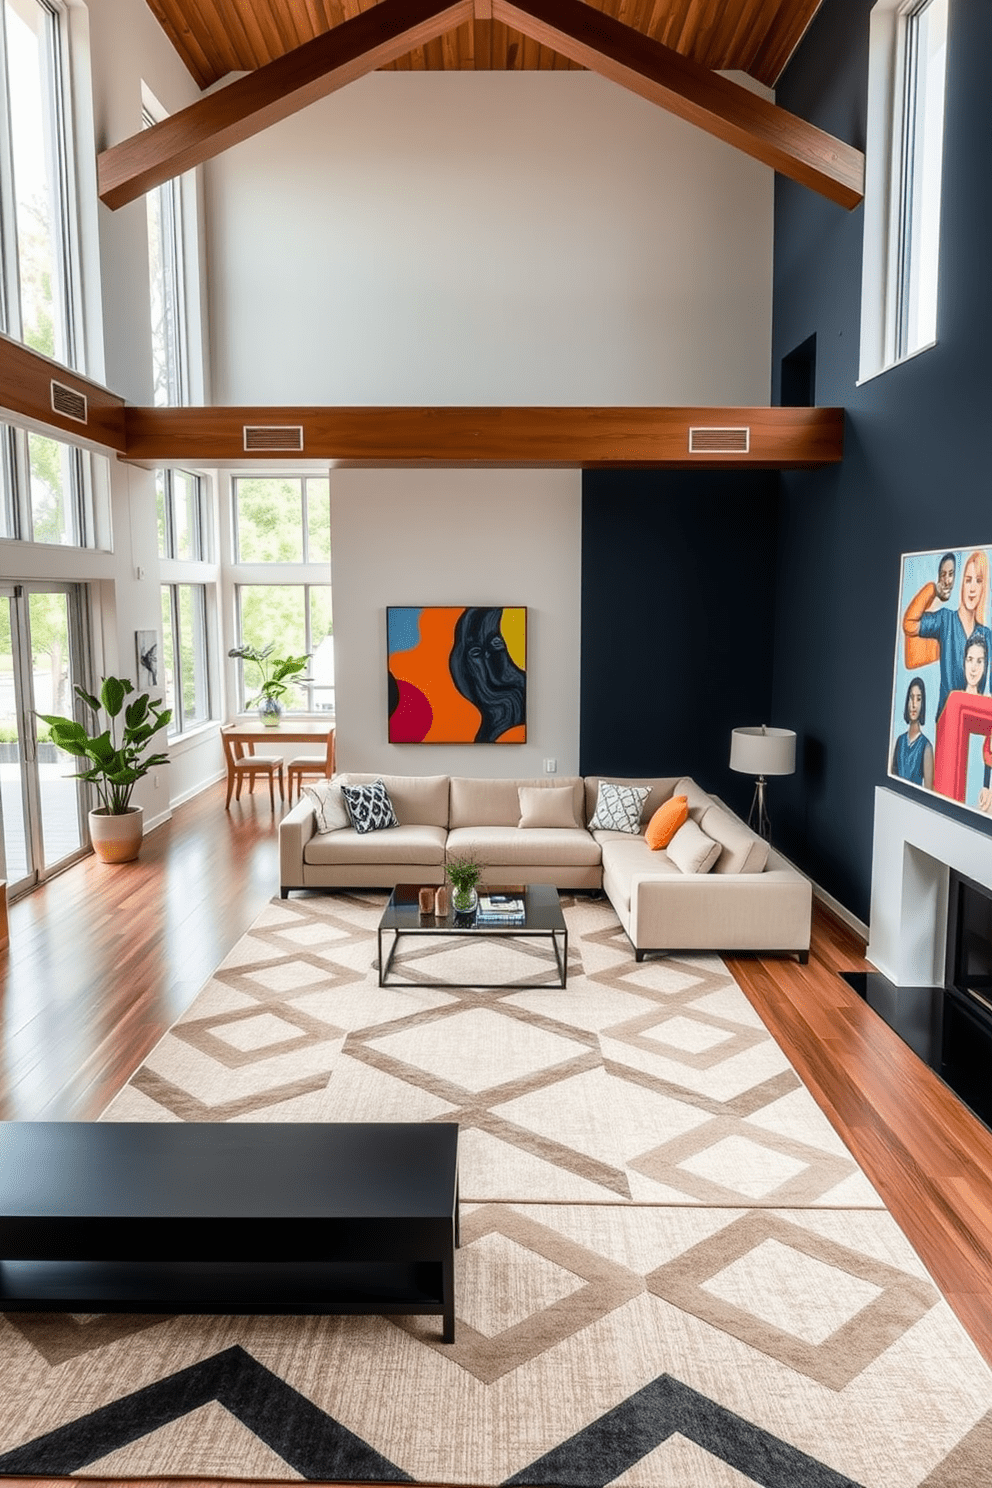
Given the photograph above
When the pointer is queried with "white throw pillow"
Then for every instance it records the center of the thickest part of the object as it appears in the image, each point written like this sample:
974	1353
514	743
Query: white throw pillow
618	808
328	805
691	850
546	806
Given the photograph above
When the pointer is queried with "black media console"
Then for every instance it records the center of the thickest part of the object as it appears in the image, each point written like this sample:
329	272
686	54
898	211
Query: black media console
229	1217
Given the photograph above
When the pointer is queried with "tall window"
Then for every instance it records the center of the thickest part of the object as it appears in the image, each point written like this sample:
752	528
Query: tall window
282	550
35	184
46	490
170	358
183	503
185	659
183	516
903	175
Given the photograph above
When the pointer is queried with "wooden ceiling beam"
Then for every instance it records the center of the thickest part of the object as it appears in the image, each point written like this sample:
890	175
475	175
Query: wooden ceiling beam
245	107
26	398
777	438
716	104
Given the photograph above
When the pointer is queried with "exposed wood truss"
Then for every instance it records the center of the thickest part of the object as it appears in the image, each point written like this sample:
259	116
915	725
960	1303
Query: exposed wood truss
694	93
577	30
281	88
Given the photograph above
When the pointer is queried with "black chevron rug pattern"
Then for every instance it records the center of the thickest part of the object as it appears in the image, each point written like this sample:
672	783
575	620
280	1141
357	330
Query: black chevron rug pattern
672	1274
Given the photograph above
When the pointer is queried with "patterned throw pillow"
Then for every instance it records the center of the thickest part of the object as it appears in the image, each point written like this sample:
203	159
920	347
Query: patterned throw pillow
618	808
369	807
328	805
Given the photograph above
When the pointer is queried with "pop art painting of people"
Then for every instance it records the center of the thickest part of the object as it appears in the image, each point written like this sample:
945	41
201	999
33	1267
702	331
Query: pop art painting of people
941	735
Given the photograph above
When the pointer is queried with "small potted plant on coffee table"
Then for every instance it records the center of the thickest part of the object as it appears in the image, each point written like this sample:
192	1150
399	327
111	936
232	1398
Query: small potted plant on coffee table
464	871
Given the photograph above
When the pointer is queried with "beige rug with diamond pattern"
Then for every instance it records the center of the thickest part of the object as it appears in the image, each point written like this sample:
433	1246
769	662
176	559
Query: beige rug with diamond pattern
672	1272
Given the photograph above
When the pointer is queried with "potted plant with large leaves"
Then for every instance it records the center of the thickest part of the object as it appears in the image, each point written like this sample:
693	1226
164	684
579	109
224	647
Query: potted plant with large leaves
276	676
118	760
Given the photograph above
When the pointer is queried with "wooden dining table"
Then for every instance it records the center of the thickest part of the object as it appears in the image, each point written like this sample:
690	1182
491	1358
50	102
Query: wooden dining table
291	731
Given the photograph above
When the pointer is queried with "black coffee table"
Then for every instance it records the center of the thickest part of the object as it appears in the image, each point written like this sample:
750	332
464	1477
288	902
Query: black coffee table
543	920
229	1217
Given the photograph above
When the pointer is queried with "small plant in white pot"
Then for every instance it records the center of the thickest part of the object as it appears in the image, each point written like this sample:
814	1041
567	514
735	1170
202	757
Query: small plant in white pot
117	762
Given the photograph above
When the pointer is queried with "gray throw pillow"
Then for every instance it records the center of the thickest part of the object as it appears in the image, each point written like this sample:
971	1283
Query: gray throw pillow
618	808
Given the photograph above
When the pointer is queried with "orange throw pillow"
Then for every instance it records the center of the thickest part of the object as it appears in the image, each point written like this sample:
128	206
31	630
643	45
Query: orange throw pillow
666	822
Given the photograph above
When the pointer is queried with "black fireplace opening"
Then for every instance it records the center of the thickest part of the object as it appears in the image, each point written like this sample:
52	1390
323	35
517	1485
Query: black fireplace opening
966	1044
949	1027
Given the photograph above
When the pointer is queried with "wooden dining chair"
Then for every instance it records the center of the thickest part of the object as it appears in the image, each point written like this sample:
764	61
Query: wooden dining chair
314	766
243	764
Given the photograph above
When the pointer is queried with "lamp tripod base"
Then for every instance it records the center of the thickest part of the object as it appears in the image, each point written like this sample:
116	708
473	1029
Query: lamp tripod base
758	819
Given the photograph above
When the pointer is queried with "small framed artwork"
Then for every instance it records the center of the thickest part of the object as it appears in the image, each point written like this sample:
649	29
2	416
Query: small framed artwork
146	647
457	674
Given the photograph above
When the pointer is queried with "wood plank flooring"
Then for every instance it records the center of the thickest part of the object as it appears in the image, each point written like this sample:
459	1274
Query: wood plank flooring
103	959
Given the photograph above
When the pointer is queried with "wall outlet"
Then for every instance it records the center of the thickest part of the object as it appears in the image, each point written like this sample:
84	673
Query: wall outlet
155	779
550	767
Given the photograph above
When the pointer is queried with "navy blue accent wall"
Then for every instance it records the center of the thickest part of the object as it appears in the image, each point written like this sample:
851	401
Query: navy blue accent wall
916	466
678	577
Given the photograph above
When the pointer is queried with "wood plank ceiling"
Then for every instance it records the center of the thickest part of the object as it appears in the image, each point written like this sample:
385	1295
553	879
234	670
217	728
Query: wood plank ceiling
215	37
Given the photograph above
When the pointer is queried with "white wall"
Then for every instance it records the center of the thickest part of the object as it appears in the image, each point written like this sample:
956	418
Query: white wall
486	537
489	238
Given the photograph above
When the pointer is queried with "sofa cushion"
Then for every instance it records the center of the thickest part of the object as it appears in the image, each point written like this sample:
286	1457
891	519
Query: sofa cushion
369	807
619	807
503	847
665	823
496	803
546	807
743	850
414	846
691	850
699	801
328	805
623	858
416	798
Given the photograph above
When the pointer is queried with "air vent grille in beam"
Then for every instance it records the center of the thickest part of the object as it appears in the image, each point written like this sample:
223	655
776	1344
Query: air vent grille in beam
69	403
286	437
704	441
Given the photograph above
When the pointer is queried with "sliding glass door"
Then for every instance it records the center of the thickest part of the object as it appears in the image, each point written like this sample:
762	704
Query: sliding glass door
42	810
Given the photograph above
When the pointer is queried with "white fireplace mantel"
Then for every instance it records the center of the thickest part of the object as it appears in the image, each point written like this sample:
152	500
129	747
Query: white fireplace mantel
914	847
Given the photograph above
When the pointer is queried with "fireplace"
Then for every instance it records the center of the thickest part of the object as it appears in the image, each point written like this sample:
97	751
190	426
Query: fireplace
931	940
966	1038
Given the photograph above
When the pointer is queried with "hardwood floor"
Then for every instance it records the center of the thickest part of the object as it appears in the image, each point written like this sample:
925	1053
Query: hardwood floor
103	959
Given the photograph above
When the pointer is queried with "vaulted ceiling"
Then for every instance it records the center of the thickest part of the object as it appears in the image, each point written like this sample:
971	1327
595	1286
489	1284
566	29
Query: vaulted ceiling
215	37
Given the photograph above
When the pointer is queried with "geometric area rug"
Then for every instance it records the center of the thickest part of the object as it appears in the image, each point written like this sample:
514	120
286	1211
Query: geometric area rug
672	1273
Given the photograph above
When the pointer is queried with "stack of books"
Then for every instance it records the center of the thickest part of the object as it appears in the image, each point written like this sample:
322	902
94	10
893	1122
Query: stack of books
500	909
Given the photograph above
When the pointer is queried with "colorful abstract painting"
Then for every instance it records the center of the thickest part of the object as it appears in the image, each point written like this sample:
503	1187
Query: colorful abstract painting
941	735
457	674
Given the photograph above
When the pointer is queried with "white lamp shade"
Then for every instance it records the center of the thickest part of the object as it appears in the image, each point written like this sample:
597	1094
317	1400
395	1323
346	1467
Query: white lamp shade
763	751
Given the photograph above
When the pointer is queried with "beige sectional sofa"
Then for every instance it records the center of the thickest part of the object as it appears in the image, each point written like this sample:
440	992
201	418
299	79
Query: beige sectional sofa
752	900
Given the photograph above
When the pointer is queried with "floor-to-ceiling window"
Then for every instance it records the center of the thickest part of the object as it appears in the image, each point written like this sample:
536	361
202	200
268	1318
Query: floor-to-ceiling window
42	809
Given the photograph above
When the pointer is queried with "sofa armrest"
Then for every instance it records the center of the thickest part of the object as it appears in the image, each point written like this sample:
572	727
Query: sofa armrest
767	911
295	831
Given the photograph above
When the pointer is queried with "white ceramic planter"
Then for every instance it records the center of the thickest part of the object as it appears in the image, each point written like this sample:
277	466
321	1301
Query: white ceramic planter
117	839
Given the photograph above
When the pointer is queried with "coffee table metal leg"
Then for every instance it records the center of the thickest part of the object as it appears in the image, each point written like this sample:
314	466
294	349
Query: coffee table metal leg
448	1297
385	965
561	955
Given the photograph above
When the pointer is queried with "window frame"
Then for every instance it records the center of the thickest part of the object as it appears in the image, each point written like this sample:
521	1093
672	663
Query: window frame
893	170
306	574
60	160
176	337
179	725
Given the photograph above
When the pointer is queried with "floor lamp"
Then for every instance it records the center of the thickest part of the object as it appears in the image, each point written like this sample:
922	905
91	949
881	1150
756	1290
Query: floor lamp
762	752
